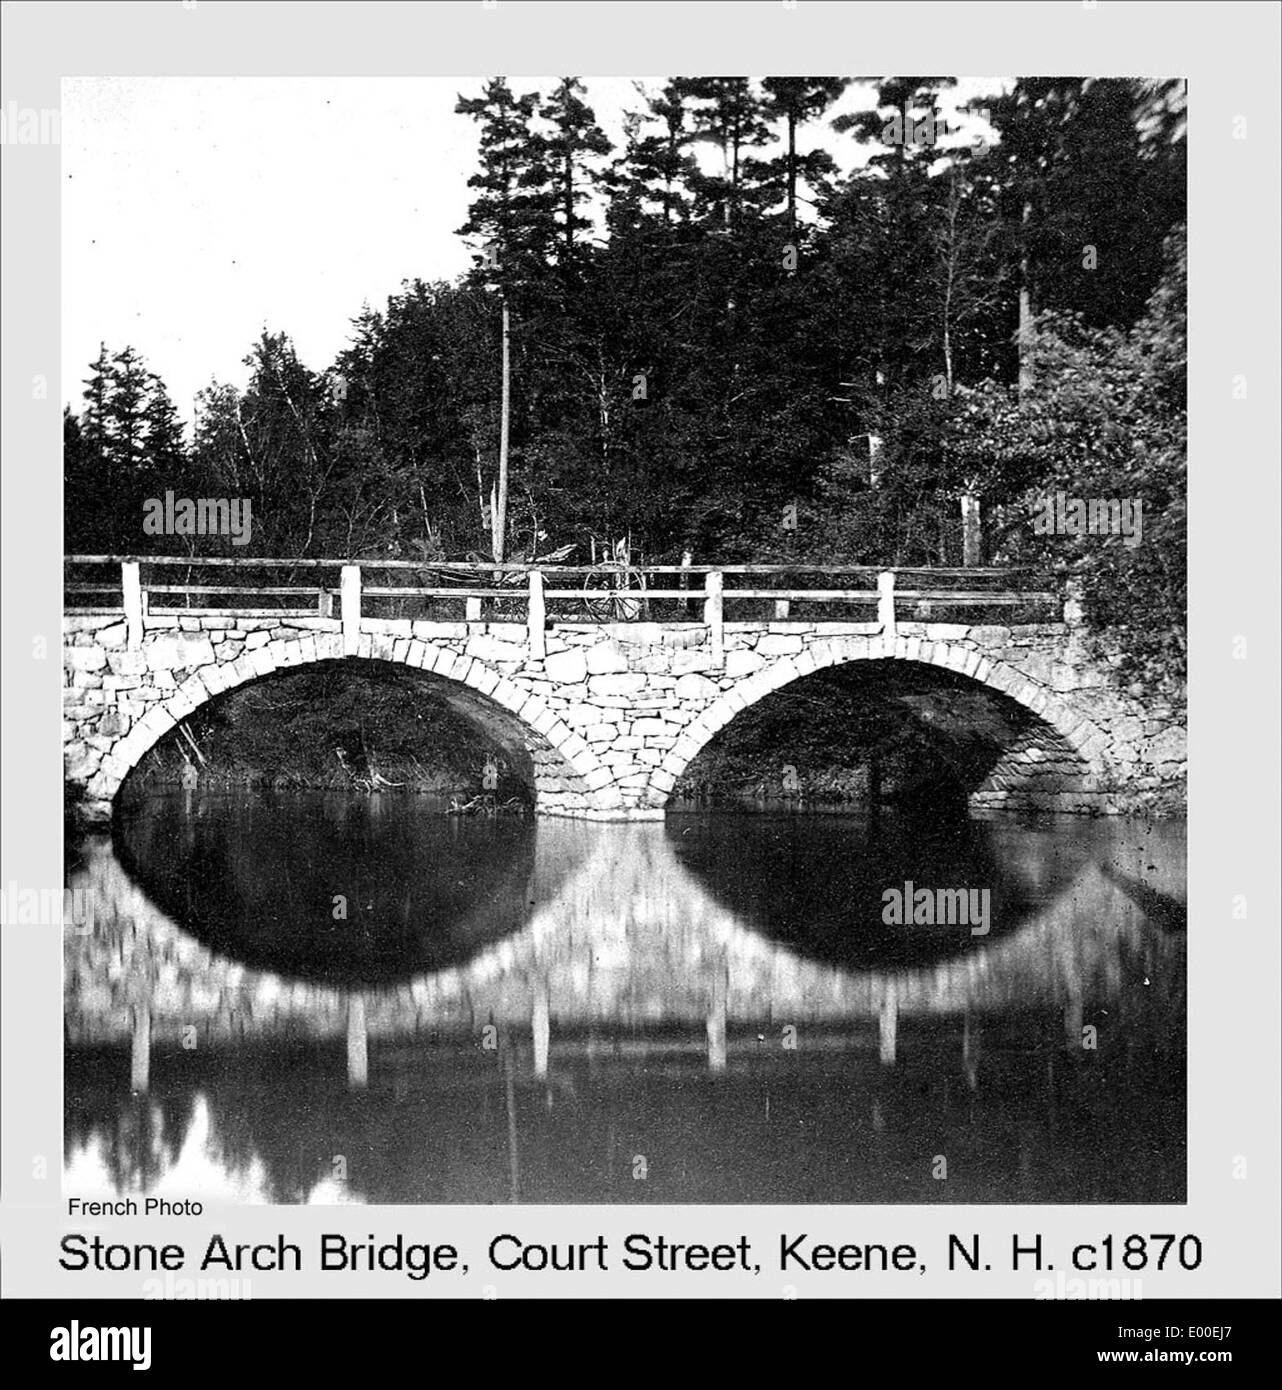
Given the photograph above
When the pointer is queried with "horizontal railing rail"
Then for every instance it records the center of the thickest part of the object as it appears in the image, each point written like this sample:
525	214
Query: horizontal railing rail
524	567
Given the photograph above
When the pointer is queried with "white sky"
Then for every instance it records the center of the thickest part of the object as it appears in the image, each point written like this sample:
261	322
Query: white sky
197	211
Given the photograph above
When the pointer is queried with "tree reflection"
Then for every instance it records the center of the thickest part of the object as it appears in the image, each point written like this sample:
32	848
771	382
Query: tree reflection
138	1138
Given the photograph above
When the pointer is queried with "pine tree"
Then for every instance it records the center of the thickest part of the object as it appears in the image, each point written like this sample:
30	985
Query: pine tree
904	124
730	114
652	176
574	152
796	100
512	219
162	435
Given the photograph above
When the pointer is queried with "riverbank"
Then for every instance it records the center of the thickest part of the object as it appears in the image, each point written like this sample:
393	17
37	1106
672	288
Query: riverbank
325	731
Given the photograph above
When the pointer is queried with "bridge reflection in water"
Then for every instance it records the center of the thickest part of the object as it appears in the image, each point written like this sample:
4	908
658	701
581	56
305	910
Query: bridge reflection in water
707	1009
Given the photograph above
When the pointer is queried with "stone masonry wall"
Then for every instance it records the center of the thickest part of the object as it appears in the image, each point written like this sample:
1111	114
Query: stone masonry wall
611	715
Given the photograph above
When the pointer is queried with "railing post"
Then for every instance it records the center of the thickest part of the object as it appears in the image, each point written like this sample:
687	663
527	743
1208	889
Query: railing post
886	602
972	531
782	609
131	589
350	587
1073	608
472	610
325	604
714	616
536	617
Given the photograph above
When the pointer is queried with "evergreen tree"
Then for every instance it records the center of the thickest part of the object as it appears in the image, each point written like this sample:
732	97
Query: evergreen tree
796	100
652	175
574	152
512	220
730	114
126	444
720	355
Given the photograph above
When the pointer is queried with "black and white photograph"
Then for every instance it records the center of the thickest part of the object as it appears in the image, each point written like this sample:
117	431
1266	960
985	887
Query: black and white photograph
625	639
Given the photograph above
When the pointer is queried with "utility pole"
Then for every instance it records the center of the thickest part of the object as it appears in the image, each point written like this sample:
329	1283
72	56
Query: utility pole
499	519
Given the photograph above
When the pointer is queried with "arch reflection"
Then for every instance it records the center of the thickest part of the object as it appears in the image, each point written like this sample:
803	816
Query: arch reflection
331	888
838	869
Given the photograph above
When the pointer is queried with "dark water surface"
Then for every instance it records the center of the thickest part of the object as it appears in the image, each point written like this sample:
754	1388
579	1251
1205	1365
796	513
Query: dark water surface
1042	1058
330	887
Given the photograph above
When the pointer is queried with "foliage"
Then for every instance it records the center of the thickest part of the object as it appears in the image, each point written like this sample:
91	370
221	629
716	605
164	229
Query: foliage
711	331
1106	418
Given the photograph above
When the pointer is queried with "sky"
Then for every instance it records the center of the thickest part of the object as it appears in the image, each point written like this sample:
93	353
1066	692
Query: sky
198	211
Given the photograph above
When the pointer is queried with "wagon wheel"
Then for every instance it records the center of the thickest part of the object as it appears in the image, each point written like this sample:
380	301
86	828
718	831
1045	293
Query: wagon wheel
613	593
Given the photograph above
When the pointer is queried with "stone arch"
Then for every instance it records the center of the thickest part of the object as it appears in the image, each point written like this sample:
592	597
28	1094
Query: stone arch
1062	744
568	777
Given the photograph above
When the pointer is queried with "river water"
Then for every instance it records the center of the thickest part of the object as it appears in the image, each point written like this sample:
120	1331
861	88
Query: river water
732	1017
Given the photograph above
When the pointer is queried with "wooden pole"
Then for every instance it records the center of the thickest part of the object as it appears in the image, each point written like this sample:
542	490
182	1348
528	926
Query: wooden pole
350	585
1024	339
714	617
140	1051
536	618
888	1027
499	519
131	590
357	1045
542	1030
886	602
513	1145
972	530
717	1022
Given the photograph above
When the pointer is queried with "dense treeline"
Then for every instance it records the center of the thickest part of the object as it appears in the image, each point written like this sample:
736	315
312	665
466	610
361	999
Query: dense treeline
717	343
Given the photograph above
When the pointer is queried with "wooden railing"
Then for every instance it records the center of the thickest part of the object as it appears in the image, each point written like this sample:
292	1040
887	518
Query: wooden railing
531	594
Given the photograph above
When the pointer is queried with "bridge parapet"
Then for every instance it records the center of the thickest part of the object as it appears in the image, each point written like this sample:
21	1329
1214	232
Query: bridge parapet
597	594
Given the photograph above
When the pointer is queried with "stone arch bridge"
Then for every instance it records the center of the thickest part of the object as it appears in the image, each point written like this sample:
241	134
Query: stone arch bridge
603	715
